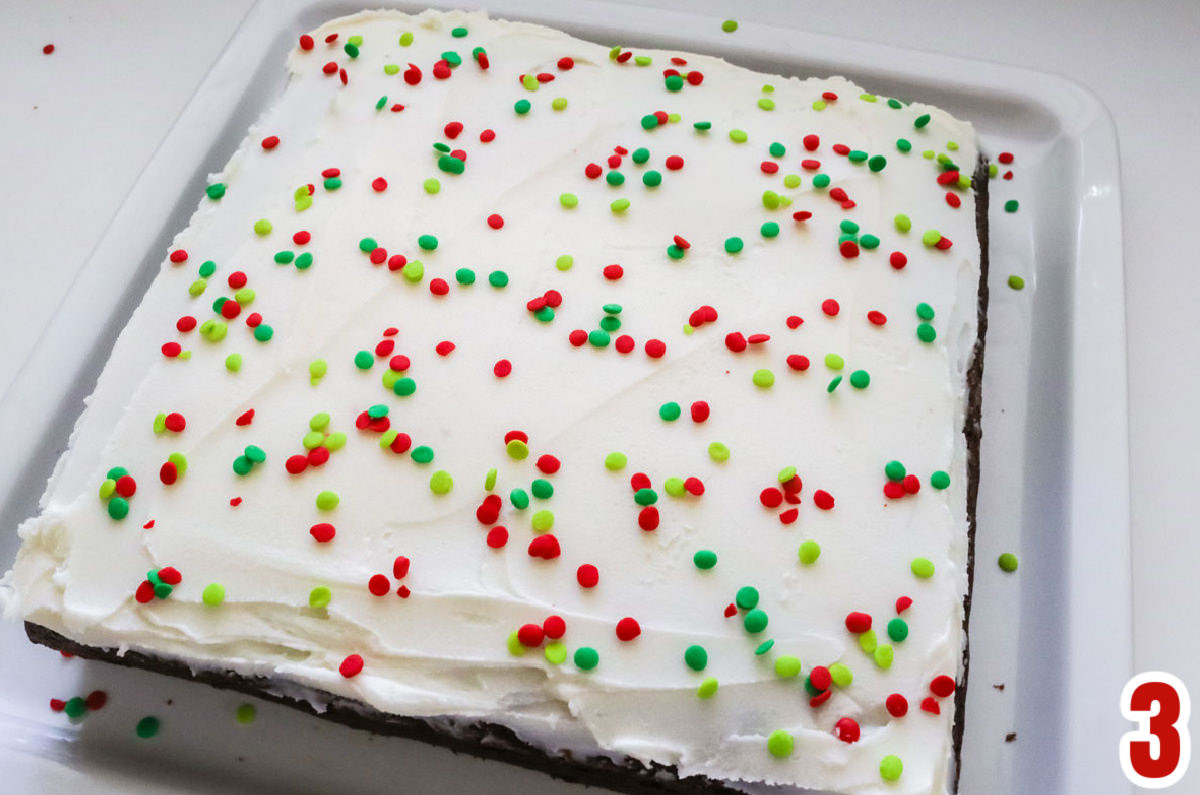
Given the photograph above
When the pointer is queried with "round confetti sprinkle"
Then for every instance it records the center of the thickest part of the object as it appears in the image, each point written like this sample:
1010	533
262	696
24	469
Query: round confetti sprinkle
729	25
628	629
860	379
733	245
897	629
1011	206
441	482
780	744
809	552
763	378
705	559
922	567
707	688
670	412
787	666
1008	562
890	767
696	657
755	621
213	594
1016	282
147	727
327	501
586	658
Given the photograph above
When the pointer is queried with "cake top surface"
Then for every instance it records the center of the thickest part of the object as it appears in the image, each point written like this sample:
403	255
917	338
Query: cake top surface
616	396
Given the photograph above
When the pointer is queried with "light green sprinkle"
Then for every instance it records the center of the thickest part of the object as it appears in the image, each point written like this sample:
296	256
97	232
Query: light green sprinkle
809	552
931	238
555	652
1016	282
708	688
903	222
780	744
819	104
841	673
834	361
568	200
413	270
245	713
763	378
787	666
791	181
391	68
766	103
674	486
1008	562
515	647
922	567
213	594
441	482
327	501
729	25
432	186
196	288
560	103
542	521
319	597
868	641
616	461
738	136
262	227
884	654
717	451
619	205
890	767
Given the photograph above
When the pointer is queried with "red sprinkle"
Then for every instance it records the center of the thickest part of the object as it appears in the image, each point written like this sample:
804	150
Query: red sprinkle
531	635
614	161
841	149
592	171
893	490
175	422
770	497
613	272
444	348
351	666
897	705
57	704
801	215
441	69
554	627
495	221
903	603
789	516
898	260
911	484
682	242
823	499
695	78
1005	157
400	567
170	575
794	321
330	68
439	286
768	167
453	129
399	363
798	361
942	686
144	592
318	456
412	75
817	701
821	678
849	249
624	344
379	585
830	307
171	349
811	142
545	547
930	706
674	162
810	165
734	341
178	256
858	623
577	337
548	464
648	518
952	199
270	142
587	575
497	537
379	184
847	730
306	42
168	473
700	411
694	486
487	136
876	318
502	368
655	349
324	533
829	96
185	323
518	435
566	63
126	486
628	629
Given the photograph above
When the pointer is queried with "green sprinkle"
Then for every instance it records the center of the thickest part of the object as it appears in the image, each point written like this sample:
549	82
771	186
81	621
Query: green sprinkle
207	268
649	121
696	658
351	50
422	454
708	688
763	378
670	411
645	497
926	332
498	279
404	387
319	597
821	181
764	647
614	178
809	552
519	498
441	482
777	149
75	707
1016	282
451	164
586	658
255	454
459	33
890	767
564	262
599	338
464	276
939	480
619	206
363	360
925	311
568	200
931	237
674	82
833	384
856	156
242	465
921	121
922	567
717	451
303	263
780	744
897	629
1008	562
555	652
432	186
615	461
327	501
705	559
333	183
769	229
262	227
427	242
702	126
522	106
738	136
733	245
263	332
841	673
147	727
869	242
118	508
215	191
860	379
245	713
213	594
652	179
894	470
381	102
674	252
787	666
747	597
542	489
903	144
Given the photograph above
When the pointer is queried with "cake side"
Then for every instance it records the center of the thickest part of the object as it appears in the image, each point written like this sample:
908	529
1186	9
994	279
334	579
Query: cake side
446	647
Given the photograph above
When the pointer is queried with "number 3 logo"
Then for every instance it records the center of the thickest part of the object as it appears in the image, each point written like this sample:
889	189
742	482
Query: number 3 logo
1157	754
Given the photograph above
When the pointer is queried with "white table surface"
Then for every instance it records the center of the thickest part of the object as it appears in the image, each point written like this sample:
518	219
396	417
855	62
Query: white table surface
78	126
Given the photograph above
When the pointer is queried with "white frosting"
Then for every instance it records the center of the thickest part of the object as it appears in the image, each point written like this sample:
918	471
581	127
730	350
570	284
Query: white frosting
443	650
